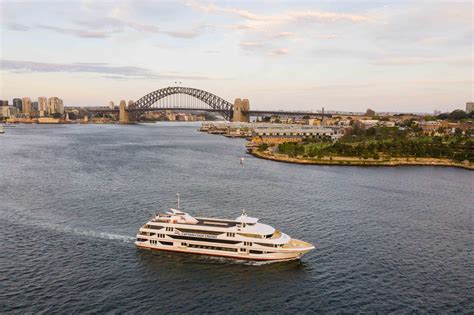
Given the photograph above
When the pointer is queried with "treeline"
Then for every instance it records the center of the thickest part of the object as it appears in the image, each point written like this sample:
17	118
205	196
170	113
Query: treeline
455	115
401	146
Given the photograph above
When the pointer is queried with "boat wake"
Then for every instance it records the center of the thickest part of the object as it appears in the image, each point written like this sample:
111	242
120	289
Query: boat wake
234	261
103	235
79	231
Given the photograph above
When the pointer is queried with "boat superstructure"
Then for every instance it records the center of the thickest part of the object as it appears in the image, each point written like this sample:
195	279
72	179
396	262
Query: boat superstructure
243	238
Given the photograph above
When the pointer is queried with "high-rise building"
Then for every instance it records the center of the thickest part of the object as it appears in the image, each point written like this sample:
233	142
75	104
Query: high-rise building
52	105
55	105
469	107
4	109
26	106
60	108
34	106
42	106
111	105
18	104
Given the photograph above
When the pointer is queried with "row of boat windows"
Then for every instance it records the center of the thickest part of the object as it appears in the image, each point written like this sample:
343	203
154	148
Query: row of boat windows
269	245
255	235
153	234
222	248
154	242
229	234
211	240
199	231
210	247
208	240
160	242
154	227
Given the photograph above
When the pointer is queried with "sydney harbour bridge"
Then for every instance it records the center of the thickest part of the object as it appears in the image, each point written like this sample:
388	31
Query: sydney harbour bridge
178	98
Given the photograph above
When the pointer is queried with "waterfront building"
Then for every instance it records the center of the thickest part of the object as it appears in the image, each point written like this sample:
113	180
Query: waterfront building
60	108
42	106
55	105
469	107
26	106
34	106
52	105
5	111
3	103
276	136
18	104
111	105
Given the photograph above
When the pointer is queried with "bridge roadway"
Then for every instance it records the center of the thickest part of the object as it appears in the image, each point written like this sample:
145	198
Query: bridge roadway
253	113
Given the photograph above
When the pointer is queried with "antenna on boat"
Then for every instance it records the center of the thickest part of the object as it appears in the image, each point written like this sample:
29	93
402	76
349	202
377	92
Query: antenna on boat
177	195
243	212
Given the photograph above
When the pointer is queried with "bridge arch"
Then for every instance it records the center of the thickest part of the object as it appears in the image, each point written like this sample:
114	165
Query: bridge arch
215	102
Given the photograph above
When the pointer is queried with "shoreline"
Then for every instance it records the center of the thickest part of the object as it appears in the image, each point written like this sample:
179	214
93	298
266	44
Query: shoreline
345	161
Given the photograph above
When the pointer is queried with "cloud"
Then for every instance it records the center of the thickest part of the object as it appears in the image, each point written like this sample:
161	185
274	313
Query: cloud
347	53
17	27
284	35
182	34
279	52
395	61
104	69
326	17
110	26
249	45
295	25
444	82
295	15
212	8
78	32
445	23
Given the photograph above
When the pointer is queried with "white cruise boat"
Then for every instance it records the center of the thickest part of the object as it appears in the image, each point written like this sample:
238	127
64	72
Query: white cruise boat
243	238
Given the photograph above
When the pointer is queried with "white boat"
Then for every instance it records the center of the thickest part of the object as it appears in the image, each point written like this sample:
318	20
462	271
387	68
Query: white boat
243	238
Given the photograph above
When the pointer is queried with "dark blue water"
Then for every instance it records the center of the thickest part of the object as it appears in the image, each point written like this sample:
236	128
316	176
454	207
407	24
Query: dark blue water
72	198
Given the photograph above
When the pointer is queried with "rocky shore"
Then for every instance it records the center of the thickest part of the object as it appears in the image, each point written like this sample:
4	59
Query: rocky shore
354	161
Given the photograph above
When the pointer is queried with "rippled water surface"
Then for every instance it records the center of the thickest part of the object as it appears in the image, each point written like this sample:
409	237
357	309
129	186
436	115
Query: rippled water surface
72	198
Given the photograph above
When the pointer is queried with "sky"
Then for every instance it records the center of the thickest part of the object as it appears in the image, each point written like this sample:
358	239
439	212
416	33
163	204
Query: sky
347	55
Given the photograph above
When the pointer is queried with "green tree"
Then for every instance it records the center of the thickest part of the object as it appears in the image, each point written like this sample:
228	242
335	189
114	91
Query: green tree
457	114
263	147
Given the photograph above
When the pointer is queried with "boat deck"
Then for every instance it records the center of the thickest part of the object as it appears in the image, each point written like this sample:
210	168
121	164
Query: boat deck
215	223
294	243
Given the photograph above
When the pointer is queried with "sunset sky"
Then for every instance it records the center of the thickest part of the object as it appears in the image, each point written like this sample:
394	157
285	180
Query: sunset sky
413	56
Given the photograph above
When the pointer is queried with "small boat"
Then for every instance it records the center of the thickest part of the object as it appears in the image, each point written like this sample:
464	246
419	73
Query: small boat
243	238
1	129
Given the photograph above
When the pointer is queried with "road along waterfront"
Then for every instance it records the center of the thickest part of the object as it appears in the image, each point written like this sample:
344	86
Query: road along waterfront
73	197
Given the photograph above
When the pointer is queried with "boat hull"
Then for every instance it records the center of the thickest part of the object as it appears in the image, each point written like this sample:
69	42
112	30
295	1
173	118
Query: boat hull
275	257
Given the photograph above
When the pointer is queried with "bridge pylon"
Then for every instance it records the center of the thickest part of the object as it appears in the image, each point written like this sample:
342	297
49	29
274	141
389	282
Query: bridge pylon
123	114
241	107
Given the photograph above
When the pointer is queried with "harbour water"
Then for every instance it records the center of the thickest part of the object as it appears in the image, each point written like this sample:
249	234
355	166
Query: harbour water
72	198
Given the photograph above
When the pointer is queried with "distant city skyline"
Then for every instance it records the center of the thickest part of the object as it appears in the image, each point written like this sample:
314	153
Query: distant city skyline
403	56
